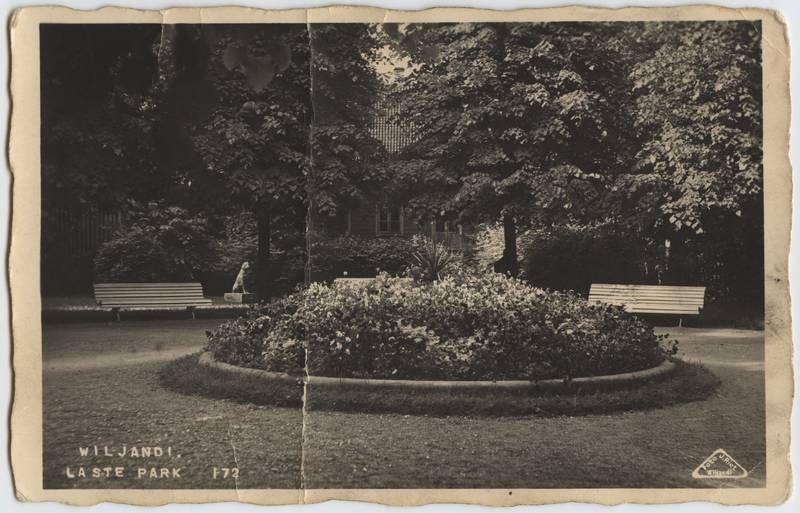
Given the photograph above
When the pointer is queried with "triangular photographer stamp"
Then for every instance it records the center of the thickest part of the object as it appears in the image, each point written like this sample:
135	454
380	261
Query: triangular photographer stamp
720	465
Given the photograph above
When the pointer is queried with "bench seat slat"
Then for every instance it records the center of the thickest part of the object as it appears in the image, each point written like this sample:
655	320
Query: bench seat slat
148	284
656	306
151	294
654	296
137	291
661	306
177	296
140	286
154	297
658	292
647	293
119	304
145	291
153	300
156	300
640	299
113	304
149	305
647	296
637	290
645	287
645	299
662	311
653	306
141	302
644	294
151	291
625	290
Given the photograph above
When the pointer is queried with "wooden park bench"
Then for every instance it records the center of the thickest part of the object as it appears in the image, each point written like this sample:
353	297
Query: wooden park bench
149	296
651	299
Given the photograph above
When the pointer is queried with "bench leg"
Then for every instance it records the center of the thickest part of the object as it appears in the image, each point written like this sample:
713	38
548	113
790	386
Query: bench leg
680	322
116	313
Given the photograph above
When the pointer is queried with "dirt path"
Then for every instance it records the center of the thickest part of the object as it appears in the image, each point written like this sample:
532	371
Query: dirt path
86	346
116	359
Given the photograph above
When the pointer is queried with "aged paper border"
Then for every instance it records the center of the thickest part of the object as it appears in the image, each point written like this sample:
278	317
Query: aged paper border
26	418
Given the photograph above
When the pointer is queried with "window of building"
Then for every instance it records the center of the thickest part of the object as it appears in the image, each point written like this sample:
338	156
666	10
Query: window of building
389	219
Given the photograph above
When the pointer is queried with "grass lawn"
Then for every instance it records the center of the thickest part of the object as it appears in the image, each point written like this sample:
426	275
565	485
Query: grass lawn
114	398
88	300
101	386
124	341
688	382
652	448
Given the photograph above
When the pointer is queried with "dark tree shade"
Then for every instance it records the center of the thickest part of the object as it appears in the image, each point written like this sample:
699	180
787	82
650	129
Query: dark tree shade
98	120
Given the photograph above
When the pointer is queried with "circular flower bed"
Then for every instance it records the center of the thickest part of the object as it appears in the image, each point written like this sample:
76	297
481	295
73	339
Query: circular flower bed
464	327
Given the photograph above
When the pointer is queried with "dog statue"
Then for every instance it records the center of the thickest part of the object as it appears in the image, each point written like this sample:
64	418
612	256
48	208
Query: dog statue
238	285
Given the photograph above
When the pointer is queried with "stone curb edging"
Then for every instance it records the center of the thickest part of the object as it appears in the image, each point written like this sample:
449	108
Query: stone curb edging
207	360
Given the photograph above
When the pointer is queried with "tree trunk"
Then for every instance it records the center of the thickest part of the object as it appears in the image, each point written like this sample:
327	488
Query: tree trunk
508	263
263	274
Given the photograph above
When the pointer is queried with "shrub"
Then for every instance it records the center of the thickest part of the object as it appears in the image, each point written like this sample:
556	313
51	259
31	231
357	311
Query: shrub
157	244
358	256
431	260
567	258
249	342
170	244
466	326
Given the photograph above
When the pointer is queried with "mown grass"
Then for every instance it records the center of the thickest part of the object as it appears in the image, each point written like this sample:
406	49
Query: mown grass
689	382
186	376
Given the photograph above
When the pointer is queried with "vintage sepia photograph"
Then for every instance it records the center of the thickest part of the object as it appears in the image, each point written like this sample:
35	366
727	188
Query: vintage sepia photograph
441	254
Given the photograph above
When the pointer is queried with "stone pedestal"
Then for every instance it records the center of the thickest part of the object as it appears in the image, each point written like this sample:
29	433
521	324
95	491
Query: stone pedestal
239	297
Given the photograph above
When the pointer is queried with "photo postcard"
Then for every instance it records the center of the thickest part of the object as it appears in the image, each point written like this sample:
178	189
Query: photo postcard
441	256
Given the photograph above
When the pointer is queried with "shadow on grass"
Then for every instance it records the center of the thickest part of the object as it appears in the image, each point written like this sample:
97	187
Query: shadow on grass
689	382
186	376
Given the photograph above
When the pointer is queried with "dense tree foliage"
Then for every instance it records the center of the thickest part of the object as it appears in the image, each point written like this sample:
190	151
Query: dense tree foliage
159	244
213	118
649	127
99	132
241	96
650	130
696	179
698	113
344	85
519	121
